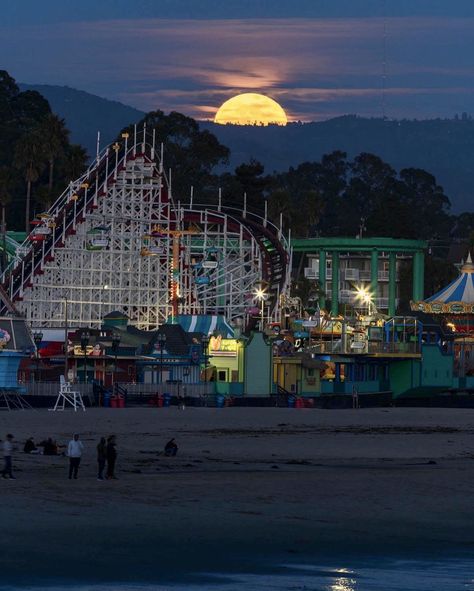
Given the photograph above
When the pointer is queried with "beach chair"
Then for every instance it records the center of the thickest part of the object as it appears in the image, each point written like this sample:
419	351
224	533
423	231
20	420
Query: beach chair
67	396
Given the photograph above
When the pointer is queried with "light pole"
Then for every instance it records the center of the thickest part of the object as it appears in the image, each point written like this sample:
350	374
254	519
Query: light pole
205	345
85	336
37	338
66	341
261	296
115	347
366	297
162	342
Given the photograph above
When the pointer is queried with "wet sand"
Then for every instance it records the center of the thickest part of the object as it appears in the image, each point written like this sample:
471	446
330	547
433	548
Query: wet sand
248	483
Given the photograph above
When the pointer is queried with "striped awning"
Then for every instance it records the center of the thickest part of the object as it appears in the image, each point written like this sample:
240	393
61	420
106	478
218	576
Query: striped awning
455	298
207	324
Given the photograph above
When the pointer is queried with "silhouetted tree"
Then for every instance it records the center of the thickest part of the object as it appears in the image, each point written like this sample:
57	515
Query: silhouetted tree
52	130
29	159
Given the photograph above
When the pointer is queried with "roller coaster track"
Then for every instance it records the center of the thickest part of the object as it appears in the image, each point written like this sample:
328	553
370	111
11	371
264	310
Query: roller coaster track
81	198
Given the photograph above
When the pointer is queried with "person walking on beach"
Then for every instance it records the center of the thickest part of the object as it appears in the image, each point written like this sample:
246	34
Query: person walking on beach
74	451
101	457
355	397
7	471
111	458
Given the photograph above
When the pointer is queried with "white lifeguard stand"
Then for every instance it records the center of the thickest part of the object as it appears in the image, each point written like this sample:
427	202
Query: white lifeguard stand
67	396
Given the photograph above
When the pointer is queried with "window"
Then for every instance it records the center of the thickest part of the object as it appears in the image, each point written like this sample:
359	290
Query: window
222	375
310	373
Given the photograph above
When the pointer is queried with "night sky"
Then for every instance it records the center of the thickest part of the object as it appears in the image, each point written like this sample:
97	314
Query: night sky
317	58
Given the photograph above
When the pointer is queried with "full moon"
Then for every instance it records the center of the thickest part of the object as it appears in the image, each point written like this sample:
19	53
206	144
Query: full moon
251	108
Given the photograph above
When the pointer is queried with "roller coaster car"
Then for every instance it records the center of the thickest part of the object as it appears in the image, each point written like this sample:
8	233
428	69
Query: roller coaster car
211	261
39	233
156	232
202	280
151	251
97	238
43	217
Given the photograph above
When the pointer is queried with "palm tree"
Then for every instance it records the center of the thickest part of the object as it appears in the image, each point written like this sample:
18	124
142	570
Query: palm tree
280	203
29	158
75	162
5	199
55	137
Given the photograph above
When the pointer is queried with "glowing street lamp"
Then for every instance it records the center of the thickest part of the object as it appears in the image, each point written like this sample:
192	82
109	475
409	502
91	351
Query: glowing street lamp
365	296
261	296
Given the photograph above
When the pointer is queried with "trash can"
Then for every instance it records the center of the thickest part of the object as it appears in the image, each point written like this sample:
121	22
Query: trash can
106	399
113	402
291	402
220	401
159	400
121	402
166	399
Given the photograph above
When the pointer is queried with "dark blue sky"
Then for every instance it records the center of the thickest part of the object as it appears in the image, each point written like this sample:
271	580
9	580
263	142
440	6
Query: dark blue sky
318	58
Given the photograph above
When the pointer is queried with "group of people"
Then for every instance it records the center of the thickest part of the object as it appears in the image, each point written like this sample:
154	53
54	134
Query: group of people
49	445
106	454
106	457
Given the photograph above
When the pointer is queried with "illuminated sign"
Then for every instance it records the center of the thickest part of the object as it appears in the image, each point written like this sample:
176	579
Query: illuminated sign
220	347
93	351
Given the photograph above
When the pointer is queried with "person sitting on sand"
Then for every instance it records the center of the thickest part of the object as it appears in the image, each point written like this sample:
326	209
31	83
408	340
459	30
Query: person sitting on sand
30	447
50	447
171	448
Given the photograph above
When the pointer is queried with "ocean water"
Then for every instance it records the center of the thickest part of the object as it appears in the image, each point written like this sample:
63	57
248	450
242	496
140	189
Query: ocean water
396	575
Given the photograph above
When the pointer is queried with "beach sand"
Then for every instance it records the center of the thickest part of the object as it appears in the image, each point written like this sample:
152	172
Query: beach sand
247	482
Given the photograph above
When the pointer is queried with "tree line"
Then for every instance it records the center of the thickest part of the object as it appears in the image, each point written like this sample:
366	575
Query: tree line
37	159
333	196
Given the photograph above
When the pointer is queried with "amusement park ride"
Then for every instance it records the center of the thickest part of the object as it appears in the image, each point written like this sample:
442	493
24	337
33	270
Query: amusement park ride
117	240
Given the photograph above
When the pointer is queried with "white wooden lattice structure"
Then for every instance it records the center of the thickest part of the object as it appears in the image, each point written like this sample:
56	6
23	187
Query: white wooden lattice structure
116	240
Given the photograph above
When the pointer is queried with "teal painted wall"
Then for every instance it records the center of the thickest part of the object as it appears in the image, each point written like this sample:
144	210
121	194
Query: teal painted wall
363	387
403	375
434	372
258	366
437	368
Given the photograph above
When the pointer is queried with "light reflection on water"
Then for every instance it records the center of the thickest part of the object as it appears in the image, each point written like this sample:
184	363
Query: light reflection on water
449	575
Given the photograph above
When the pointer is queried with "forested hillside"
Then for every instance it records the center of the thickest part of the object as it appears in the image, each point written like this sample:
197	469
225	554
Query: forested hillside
37	159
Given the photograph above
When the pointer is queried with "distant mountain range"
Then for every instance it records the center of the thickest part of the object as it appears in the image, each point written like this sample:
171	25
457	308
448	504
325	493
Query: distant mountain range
444	147
86	114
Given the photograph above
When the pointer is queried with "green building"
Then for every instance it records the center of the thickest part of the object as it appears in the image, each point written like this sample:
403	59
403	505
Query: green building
338	264
242	366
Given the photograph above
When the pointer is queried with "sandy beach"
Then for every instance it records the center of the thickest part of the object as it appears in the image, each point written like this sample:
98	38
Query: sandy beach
247	482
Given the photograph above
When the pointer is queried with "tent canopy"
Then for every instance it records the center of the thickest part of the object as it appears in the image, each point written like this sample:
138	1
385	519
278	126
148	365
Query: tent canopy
204	323
456	298
460	290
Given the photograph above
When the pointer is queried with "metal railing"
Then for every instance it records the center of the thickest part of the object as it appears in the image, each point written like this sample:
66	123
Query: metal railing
182	389
52	388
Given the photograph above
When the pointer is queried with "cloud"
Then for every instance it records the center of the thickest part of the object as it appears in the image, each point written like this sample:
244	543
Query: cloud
312	66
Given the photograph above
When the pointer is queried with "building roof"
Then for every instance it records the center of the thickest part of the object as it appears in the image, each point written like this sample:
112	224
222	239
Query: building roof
455	298
204	323
459	290
15	335
346	244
